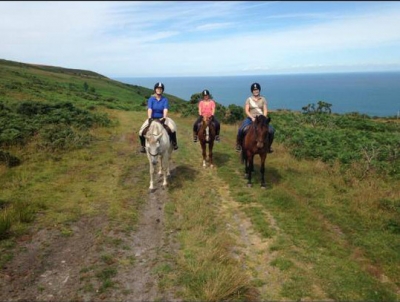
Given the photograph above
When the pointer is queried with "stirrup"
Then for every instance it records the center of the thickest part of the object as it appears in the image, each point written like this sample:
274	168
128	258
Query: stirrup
195	139
142	149
217	138
238	148
175	147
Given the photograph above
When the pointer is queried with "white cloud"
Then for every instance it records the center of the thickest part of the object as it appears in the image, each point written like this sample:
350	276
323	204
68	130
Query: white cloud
194	38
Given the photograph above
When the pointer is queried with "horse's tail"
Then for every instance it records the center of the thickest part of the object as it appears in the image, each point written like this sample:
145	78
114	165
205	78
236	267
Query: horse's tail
242	156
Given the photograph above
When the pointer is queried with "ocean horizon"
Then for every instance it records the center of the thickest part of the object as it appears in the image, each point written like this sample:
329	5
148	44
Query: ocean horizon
370	93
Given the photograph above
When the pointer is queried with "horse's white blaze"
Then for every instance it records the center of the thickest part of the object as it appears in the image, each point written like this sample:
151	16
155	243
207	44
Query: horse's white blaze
159	150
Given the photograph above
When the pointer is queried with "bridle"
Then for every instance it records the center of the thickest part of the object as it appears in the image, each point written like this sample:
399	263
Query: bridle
158	152
256	125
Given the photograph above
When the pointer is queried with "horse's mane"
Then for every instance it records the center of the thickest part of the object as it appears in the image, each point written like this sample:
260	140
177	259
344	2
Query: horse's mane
262	120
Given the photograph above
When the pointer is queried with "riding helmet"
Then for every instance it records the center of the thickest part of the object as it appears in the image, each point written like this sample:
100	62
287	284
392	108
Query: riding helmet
255	86
205	92
159	85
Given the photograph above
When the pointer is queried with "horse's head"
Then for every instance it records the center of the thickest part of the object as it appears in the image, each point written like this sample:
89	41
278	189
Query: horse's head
261	125
154	140
207	129
207	120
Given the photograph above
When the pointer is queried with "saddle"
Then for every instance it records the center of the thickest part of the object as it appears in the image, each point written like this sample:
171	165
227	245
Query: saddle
199	124
246	129
162	121
244	132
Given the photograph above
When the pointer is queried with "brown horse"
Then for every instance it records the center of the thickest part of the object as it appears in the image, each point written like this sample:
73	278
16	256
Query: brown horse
256	141
206	135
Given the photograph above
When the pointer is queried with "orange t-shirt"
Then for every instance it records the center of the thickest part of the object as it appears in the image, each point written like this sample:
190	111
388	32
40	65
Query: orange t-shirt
206	107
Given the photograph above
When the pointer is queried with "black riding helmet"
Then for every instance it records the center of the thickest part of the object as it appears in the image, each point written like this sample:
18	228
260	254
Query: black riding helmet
205	92
255	86
159	85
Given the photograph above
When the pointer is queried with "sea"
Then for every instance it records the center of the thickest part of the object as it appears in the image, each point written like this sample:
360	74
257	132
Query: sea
376	94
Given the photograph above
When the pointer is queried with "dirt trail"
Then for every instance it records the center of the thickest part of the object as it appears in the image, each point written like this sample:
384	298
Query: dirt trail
48	266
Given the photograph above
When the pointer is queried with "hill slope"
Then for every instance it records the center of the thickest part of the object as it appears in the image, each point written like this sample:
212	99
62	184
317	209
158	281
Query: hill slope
20	81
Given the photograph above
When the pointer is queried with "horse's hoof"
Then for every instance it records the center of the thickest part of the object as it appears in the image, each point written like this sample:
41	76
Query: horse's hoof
249	185
263	187
151	190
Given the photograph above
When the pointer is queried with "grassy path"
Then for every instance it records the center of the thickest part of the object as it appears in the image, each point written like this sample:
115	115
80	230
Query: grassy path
100	235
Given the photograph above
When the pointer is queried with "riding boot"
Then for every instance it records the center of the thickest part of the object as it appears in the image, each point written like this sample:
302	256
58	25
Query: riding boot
217	129
173	139
143	144
271	139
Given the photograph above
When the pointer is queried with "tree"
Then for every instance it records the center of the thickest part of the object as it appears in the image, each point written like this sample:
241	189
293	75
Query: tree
323	107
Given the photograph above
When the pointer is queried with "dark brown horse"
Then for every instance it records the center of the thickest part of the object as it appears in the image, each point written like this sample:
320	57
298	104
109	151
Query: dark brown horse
256	141
206	135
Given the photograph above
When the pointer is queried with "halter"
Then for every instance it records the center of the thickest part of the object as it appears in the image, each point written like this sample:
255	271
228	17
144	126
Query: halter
255	131
158	153
157	140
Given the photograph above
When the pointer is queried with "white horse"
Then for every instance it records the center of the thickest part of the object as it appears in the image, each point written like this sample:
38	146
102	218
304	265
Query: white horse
158	148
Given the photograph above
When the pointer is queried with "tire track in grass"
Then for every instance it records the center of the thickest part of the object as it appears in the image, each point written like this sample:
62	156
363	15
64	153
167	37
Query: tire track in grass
251	250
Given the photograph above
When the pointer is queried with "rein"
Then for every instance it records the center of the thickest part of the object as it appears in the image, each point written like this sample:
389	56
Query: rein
158	153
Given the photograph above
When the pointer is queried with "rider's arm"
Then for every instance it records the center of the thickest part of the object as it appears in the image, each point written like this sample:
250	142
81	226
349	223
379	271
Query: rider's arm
165	112
200	107
149	112
247	111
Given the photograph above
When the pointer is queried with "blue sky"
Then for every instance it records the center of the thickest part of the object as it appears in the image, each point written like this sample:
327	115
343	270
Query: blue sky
208	38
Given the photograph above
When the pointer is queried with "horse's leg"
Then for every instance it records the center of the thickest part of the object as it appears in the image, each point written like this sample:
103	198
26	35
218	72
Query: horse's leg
204	153
164	168
151	187
262	169
169	153
210	153
250	169
246	163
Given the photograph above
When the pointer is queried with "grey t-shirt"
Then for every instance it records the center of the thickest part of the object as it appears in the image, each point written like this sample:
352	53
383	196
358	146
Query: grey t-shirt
256	106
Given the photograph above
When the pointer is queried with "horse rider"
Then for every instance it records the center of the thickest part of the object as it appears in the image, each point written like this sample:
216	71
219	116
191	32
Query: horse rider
255	105
157	108
206	109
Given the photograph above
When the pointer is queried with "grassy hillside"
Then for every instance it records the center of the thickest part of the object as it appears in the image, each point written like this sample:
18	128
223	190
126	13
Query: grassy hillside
29	82
326	228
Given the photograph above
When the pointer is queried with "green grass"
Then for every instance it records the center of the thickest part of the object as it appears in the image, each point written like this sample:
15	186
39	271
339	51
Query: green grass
318	230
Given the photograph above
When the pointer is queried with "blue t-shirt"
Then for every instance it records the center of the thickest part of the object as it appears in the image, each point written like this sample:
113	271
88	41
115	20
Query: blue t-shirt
157	106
